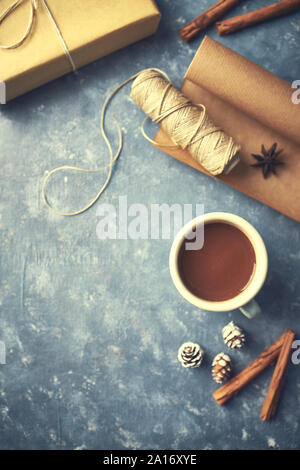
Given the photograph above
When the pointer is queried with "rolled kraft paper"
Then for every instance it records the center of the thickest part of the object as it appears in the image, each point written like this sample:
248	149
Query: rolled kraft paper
254	107
247	86
188	126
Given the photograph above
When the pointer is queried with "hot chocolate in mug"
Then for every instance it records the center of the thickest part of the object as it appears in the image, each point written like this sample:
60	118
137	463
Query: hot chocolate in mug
229	269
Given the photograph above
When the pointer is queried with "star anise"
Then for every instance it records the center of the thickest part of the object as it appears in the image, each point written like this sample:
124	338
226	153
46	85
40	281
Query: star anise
268	160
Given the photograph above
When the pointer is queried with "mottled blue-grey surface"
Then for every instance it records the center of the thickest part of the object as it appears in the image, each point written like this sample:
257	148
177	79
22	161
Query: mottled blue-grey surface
92	327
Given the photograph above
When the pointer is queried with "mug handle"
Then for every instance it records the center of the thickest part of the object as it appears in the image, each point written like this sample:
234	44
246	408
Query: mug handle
251	309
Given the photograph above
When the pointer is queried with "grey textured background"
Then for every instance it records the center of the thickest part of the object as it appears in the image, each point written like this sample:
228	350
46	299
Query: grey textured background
92	327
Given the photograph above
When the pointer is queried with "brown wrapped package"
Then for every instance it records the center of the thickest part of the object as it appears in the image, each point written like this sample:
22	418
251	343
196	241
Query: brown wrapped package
255	107
90	28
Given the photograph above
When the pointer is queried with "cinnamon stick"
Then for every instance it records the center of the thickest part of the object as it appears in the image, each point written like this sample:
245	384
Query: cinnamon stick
271	401
257	16
205	19
231	388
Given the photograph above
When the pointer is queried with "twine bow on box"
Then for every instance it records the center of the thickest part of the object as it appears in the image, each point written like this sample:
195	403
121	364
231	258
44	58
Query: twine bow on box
34	4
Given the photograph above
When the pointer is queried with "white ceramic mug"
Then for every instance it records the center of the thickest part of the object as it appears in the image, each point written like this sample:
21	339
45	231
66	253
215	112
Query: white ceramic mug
245	299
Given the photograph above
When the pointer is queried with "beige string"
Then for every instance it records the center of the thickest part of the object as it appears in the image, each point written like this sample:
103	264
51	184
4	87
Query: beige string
170	102
112	159
188	125
33	12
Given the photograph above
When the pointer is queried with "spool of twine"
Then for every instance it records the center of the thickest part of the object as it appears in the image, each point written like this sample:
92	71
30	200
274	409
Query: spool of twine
187	124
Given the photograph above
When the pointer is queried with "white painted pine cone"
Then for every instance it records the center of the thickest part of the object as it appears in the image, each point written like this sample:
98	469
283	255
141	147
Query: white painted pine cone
221	367
190	355
233	336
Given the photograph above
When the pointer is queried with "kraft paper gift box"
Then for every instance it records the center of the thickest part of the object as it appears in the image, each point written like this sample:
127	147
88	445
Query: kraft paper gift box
90	28
255	107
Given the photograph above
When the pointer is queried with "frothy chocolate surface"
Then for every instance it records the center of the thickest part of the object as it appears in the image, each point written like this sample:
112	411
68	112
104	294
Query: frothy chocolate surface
222	268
